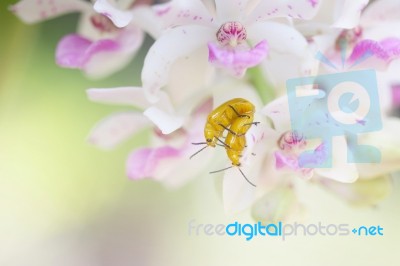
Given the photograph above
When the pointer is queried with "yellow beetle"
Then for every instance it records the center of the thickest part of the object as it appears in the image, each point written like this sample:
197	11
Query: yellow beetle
221	118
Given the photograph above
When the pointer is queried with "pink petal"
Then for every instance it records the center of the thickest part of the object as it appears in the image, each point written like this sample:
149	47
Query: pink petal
235	60
300	9
396	95
120	18
129	41
74	51
143	162
31	11
375	54
116	128
293	162
283	161
173	44
315	158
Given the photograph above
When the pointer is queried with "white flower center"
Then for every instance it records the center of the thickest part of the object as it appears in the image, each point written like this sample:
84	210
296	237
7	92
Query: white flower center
292	140
231	33
103	23
349	37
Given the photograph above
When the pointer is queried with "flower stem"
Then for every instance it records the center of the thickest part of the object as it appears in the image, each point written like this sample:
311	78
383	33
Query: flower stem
261	84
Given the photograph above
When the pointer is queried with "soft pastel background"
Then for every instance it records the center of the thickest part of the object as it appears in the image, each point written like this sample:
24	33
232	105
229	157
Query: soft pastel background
63	202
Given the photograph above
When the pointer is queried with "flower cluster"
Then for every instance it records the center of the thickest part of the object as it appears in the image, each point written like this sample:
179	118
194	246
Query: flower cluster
206	52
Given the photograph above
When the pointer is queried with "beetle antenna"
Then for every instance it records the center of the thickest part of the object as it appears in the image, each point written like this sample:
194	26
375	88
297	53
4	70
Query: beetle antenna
197	152
223	143
220	170
199	143
246	178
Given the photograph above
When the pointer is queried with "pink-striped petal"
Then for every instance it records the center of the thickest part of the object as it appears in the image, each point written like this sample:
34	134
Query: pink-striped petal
375	54
32	11
143	162
237	61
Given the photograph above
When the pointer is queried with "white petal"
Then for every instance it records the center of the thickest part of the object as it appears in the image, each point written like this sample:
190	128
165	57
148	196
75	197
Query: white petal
387	141
172	45
350	12
165	121
146	19
31	11
281	67
116	128
275	206
363	193
299	9
278	110
238	194
232	88
122	95
189	80
182	12
381	11
230	10
118	17
341	170
280	37
175	173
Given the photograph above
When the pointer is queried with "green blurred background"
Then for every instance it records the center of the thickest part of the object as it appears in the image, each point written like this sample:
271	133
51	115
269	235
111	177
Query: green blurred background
64	202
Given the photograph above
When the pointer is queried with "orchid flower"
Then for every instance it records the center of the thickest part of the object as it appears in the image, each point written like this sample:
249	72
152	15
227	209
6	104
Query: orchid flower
172	134
281	159
169	150
97	39
371	40
230	35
